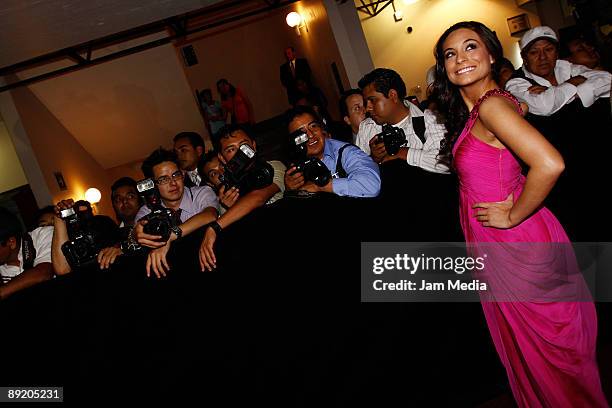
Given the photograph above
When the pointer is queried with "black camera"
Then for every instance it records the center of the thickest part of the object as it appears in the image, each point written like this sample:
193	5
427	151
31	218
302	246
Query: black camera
81	248
393	138
160	220
245	172
312	168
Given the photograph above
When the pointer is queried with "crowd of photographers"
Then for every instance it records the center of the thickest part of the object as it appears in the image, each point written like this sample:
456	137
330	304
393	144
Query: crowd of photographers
393	161
186	189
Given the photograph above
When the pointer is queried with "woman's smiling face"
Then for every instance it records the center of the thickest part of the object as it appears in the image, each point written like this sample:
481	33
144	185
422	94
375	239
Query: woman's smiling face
466	58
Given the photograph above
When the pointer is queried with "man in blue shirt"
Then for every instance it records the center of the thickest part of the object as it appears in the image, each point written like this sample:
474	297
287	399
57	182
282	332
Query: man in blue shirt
355	176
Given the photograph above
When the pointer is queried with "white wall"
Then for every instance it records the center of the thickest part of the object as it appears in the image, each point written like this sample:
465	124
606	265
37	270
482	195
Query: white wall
411	55
10	167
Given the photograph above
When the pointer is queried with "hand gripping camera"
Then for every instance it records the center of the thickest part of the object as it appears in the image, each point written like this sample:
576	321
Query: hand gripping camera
160	220
81	248
393	138
312	168
246	172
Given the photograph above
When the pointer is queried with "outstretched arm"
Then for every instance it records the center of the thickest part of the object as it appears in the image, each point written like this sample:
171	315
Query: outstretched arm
241	208
30	277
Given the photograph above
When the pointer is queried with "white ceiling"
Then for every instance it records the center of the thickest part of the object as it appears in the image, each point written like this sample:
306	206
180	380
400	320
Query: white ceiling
29	28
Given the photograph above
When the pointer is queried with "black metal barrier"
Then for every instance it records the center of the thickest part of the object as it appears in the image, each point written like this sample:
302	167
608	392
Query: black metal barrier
279	321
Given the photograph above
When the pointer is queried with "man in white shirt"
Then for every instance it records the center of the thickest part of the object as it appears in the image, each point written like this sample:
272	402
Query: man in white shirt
570	105
25	258
384	92
546	83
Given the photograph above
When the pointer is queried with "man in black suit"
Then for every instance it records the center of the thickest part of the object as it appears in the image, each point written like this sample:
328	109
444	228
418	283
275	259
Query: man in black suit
292	70
189	147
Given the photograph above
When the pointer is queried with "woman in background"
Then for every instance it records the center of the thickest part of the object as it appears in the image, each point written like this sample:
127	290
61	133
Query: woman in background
235	104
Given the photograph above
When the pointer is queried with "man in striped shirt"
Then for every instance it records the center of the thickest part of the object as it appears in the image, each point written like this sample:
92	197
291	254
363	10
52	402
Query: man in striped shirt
384	92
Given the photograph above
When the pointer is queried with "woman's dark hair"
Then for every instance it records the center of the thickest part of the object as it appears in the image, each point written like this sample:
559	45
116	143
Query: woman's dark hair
232	89
450	102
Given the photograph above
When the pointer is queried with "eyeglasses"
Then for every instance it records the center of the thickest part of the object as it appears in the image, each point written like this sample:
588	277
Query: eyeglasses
177	175
129	196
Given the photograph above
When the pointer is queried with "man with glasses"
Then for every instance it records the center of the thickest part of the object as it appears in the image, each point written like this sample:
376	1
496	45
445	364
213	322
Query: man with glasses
194	206
354	174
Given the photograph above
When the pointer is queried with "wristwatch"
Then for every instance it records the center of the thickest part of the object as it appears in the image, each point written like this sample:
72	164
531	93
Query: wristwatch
215	226
177	231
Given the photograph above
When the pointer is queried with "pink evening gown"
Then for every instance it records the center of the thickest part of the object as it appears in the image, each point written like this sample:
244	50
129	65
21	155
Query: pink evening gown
546	347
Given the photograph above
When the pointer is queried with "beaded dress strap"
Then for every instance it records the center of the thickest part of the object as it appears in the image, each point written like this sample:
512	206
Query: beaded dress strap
494	92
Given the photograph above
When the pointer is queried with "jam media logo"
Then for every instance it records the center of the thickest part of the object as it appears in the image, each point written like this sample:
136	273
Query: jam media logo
412	264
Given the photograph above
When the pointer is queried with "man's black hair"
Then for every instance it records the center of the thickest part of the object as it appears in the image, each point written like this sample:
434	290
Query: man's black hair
384	79
226	132
344	111
158	156
302	110
194	138
505	63
10	226
123	182
48	209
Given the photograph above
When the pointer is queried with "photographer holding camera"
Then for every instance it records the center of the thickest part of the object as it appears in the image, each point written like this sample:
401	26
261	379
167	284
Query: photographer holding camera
191	208
212	170
25	257
396	128
81	239
350	172
253	183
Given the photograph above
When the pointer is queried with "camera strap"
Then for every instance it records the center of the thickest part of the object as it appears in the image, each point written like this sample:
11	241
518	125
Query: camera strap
28	252
418	124
340	172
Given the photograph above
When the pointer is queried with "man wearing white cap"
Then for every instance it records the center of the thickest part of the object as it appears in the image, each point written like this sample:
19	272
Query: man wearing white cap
570	105
546	83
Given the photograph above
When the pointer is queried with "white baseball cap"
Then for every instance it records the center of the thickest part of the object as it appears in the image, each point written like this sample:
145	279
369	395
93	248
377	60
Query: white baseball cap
538	33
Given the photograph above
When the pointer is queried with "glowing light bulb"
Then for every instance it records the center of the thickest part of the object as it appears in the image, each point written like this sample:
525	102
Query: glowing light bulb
293	19
93	195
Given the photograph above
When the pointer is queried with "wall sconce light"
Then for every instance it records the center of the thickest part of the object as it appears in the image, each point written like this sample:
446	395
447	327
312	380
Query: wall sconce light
94	196
294	19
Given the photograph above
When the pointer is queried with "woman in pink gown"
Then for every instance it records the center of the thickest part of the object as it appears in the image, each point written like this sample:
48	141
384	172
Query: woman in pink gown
547	347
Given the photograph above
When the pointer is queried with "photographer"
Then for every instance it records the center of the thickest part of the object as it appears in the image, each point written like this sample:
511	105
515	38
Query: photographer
233	142
103	229
212	170
353	173
25	258
193	207
126	201
384	92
